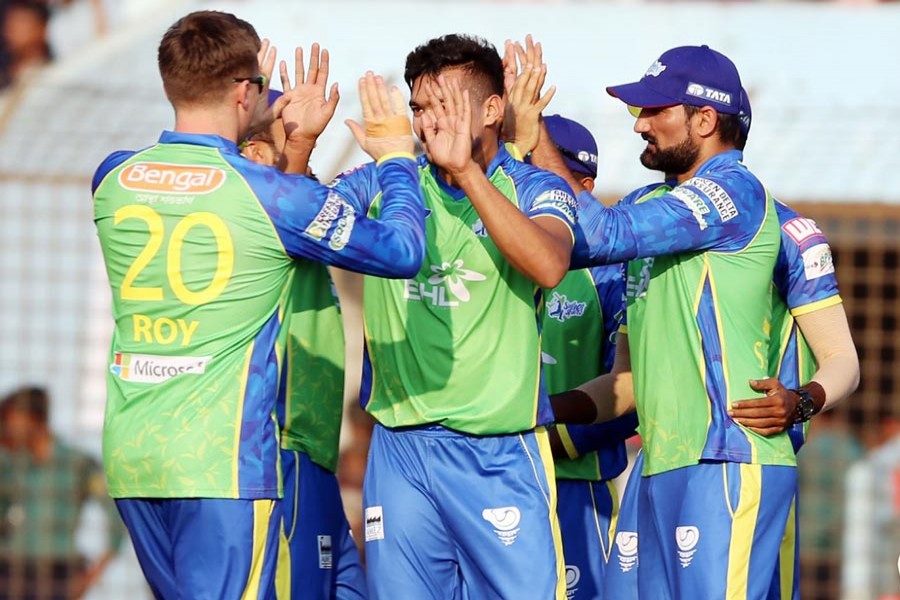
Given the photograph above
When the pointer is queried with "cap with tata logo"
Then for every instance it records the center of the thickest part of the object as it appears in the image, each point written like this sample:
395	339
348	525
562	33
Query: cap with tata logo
575	143
694	75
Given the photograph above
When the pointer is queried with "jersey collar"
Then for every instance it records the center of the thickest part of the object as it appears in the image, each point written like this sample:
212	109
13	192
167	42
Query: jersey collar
719	160
501	159
198	139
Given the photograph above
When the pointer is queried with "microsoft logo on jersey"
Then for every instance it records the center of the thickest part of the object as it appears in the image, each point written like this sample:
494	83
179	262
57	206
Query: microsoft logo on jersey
148	368
562	309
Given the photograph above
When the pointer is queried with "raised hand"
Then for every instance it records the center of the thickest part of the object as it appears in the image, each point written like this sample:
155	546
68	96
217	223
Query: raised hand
524	104
304	108
262	113
387	126
447	124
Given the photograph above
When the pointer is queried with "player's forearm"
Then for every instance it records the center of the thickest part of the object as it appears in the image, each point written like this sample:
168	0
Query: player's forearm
828	335
401	239
295	157
533	251
546	156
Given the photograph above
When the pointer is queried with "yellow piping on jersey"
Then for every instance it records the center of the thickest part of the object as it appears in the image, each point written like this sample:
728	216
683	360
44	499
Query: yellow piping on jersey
698	297
770	201
814	306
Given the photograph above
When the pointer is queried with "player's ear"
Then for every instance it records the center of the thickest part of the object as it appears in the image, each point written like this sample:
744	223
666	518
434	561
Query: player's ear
493	110
706	120
251	151
588	183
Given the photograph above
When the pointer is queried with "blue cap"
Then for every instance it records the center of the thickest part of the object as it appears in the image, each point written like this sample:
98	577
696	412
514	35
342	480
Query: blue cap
694	75
273	96
745	115
575	143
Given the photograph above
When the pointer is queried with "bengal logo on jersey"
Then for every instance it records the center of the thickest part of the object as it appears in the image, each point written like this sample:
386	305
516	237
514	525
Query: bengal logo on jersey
166	178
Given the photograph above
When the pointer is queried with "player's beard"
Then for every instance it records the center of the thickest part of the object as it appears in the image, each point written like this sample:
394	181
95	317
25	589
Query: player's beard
675	160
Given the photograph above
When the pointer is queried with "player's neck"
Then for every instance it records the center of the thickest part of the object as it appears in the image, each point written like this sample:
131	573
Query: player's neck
207	122
707	151
41	446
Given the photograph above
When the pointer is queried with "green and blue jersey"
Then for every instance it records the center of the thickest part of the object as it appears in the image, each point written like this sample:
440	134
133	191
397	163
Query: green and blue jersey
458	343
199	246
699	309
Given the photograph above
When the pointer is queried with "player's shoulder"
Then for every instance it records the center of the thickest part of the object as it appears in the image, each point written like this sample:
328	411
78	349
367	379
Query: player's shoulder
109	164
642	192
797	231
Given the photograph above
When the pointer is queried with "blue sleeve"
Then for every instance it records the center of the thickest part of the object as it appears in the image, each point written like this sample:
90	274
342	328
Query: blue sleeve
545	194
109	163
721	211
588	438
316	222
610	283
804	271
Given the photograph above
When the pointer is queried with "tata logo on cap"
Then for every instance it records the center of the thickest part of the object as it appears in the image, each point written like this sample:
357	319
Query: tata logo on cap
708	93
171	179
655	69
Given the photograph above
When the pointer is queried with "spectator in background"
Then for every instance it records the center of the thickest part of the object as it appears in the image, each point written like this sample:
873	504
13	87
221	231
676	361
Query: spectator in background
872	518
24	39
44	484
821	468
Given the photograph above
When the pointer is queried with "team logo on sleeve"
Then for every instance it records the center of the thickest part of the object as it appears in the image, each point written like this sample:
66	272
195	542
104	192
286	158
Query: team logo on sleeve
562	309
505	521
686	537
169	178
801	229
557	200
717	195
627	545
817	262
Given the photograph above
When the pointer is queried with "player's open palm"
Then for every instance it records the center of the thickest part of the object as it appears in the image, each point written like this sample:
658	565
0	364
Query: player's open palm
447	124
307	111
523	81
263	114
386	126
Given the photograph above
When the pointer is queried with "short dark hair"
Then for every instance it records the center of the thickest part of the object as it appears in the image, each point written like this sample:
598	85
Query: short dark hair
728	126
474	54
33	400
201	53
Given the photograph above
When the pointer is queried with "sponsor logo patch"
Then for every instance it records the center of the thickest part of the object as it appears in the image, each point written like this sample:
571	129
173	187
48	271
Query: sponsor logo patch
168	178
708	93
326	555
479	229
818	262
327	215
505	521
627	545
694	202
801	229
148	368
558	200
687	537
562	309
447	287
636	286
719	198
573	576
374	523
